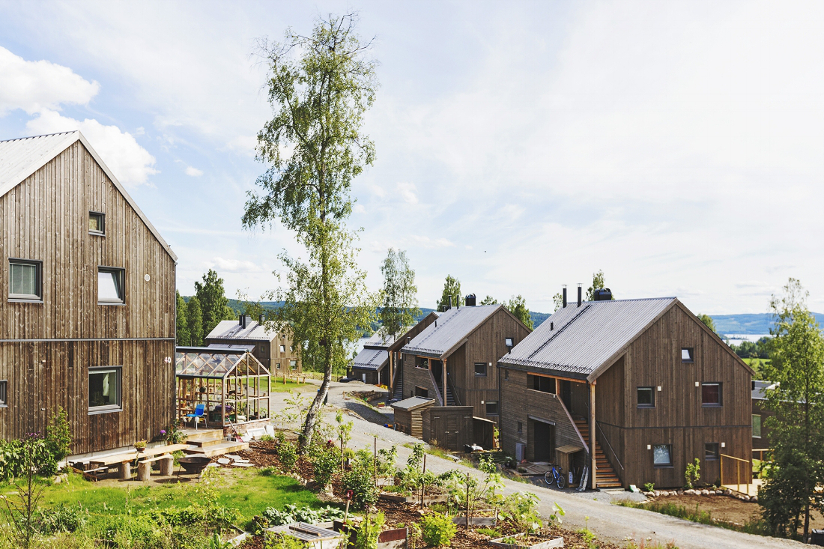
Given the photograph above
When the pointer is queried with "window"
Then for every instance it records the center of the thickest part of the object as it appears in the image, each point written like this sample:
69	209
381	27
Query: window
283	348
662	455
25	280
291	348
520	427
509	342
293	364
97	223
756	426
3	387
104	389
711	451
687	354
710	394
421	392
541	383
110	285
480	368
492	407
646	397
277	366
421	362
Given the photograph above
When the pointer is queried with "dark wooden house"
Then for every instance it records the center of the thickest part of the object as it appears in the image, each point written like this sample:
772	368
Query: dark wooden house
453	359
641	385
396	356
273	348
87	315
371	364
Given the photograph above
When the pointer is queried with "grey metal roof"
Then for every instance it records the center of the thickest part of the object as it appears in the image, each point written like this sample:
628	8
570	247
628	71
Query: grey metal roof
247	347
577	340
231	329
19	158
379	339
760	388
371	359
449	329
412	402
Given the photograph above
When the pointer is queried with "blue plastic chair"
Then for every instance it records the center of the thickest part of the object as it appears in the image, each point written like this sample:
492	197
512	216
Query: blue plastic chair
198	414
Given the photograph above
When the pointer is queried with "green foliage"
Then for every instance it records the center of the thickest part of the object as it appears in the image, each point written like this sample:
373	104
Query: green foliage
597	284
489	300
287	454
194	319
467	491
282	541
58	435
400	302
366	534
183	337
491	532
213	303
360	481
797	367
292	513
175	435
451	288
437	529
58	519
748	349
649	487
517	306
520	510
708	321
325	461
692	474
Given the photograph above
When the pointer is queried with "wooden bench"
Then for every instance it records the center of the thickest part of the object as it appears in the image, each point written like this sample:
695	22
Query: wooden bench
91	474
144	466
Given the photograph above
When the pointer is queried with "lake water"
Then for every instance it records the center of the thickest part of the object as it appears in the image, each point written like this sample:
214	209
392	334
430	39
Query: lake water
737	339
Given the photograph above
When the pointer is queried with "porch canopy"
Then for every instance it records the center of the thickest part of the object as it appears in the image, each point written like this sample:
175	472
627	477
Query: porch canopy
230	383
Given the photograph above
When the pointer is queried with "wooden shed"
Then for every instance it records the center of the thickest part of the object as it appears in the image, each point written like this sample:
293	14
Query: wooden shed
408	415
87	311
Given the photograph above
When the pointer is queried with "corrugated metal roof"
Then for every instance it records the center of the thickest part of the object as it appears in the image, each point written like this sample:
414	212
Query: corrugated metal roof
578	340
371	359
19	158
231	329
412	402
378	339
451	327
760	388
249	347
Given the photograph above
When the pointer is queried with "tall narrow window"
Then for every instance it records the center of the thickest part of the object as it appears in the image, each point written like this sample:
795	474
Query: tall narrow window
104	389
710	394
97	223
3	396
25	280
646	397
110	285
283	348
662	455
756	426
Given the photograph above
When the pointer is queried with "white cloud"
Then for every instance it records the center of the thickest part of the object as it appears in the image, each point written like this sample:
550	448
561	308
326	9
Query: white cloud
194	172
37	85
130	163
407	192
358	208
233	265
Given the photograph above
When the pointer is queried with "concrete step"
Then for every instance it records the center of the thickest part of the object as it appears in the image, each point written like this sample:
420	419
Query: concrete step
203	435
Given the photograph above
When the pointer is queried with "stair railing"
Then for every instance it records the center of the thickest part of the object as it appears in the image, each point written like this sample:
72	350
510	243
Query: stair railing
435	385
572	422
454	392
611	449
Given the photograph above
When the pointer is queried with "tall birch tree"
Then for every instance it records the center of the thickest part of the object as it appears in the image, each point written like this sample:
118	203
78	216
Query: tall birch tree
319	87
400	295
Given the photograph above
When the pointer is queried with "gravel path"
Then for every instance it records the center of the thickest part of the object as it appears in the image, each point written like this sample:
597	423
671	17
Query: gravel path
592	509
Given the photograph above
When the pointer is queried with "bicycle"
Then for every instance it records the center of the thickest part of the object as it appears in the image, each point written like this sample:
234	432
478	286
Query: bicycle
555	475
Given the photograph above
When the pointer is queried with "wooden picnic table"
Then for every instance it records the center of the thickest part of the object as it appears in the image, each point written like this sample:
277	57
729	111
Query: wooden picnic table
124	459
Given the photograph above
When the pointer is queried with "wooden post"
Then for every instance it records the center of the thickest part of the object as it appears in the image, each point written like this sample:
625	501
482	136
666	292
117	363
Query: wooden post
167	466
443	372
389	385
467	501
125	470
144	470
375	462
423	486
594	472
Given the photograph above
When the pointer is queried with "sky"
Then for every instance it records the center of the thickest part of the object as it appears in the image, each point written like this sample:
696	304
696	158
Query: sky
677	146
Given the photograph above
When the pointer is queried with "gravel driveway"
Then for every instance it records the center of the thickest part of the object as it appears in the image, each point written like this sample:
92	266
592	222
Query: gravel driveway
593	509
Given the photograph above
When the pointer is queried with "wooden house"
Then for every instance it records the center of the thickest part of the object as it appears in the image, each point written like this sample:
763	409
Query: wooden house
273	348
760	413
371	364
408	415
396	356
87	315
453	359
642	382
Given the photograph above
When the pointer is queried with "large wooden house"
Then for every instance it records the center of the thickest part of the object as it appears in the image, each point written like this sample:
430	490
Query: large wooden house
370	365
641	386
87	315
273	348
396	355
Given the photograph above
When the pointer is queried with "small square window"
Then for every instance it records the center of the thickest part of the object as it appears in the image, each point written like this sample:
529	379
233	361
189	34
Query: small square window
711	451
710	394
104	389
520	427
646	397
25	279
277	366
110	285
492	407
421	362
3	395
293	364
480	368
97	223
756	426
283	348
687	354
509	342
662	455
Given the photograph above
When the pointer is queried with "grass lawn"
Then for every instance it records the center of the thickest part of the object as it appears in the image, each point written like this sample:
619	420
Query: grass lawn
280	387
246	490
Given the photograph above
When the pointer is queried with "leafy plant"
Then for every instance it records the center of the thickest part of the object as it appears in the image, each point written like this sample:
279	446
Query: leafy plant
58	435
520	510
359	480
21	507
58	519
649	487
288	455
693	473
174	435
491	532
292	513
324	459
366	535
437	529
282	541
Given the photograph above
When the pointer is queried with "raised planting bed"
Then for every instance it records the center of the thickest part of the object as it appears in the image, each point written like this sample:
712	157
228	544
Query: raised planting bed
427	500
519	541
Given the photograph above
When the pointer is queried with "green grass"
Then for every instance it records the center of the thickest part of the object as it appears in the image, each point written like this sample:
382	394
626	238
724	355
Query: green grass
280	387
695	515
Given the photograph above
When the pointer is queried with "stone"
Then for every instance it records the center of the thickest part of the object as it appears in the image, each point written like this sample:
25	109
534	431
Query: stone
224	461
705	492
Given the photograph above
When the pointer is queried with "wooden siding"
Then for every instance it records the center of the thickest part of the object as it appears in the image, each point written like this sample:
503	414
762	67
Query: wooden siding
449	427
45	218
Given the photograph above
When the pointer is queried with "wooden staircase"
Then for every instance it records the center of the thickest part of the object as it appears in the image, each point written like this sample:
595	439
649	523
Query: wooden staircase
606	476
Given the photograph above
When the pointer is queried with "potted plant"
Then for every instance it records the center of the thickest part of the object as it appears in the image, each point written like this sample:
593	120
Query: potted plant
140	445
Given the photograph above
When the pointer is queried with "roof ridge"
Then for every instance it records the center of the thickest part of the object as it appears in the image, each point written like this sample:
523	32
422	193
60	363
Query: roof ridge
37	136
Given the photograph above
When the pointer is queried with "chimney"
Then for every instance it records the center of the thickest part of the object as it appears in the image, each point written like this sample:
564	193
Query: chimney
579	294
260	319
565	299
551	326
470	300
450	303
242	320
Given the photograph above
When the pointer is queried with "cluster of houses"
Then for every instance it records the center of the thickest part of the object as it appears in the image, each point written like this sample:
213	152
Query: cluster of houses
633	390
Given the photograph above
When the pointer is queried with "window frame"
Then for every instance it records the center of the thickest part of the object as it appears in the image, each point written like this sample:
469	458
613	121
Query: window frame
27	298
283	348
121	280
497	409
106	408
4	393
485	369
423	360
102	217
712	455
720	402
760	426
669	453
638	394
690	352
531	380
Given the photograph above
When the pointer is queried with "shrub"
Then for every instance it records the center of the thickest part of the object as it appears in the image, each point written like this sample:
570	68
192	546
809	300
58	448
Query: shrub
288	455
267	438
324	464
58	435
366	535
520	510
59	519
174	435
292	513
693	473
281	541
649	487
437	529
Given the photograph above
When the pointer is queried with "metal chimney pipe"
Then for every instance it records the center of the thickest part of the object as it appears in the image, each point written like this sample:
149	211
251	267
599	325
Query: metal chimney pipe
450	303
565	298
240	319
579	294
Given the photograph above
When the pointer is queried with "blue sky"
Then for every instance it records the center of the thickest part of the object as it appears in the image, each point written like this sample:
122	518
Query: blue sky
520	146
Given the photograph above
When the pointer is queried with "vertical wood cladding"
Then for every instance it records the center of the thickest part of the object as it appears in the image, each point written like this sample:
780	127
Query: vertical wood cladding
46	218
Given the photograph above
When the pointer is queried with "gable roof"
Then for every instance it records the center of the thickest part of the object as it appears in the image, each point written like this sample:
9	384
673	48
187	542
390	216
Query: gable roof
578	341
379	339
20	158
231	329
416	329
450	329
371	359
412	403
